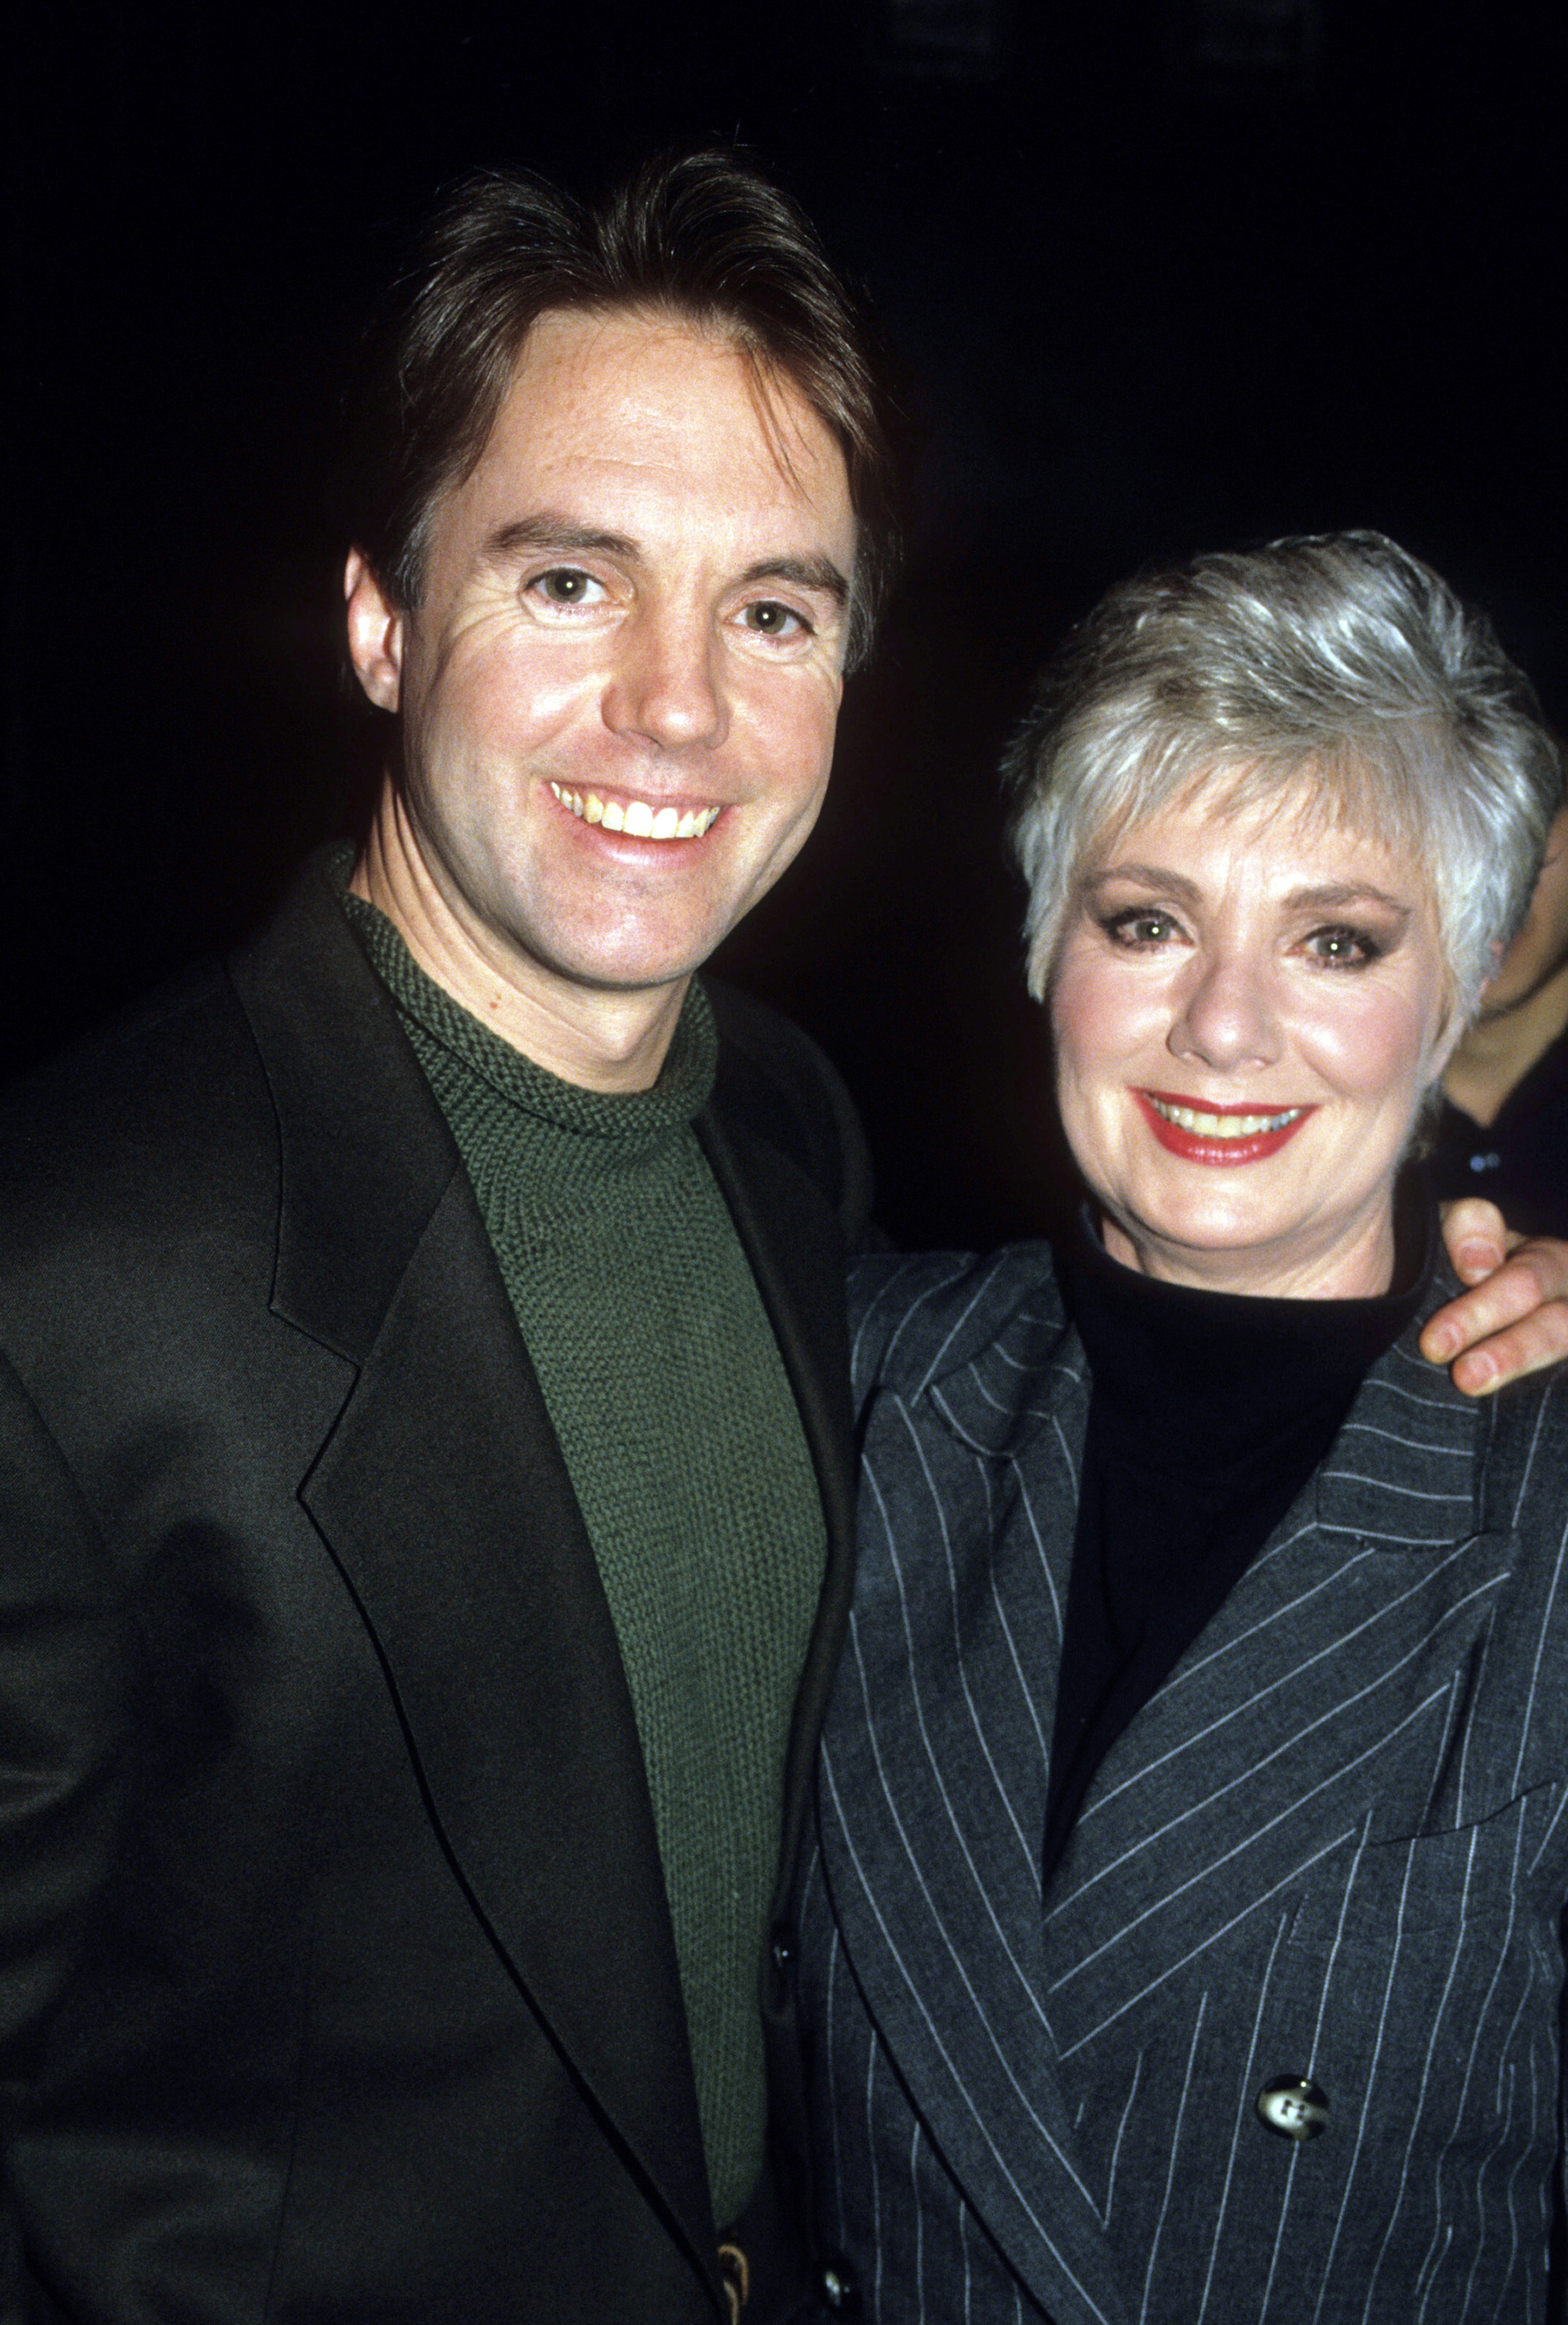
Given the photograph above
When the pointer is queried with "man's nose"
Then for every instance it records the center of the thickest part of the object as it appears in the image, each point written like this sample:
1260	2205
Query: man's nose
663	686
1226	1015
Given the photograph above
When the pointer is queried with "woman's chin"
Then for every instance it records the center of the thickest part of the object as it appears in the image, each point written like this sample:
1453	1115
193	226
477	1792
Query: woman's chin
1252	1248
1214	1224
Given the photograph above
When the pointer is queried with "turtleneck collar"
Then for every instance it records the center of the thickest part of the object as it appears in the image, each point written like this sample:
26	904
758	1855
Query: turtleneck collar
1212	1383
1208	1413
630	1124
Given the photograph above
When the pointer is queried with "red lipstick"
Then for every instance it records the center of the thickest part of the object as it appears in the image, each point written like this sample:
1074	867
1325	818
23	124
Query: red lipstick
1193	1147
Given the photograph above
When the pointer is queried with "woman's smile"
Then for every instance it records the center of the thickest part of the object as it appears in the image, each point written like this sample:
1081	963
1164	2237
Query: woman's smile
1223	1135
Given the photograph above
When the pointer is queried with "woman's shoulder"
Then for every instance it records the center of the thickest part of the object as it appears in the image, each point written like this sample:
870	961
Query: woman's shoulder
915	1318
1503	1457
1525	1452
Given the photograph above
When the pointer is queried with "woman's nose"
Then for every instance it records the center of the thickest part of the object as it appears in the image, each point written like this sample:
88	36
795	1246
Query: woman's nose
1226	1017
663	686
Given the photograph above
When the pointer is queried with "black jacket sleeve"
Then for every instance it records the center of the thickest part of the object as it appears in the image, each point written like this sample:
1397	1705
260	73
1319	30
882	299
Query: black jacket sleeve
67	1675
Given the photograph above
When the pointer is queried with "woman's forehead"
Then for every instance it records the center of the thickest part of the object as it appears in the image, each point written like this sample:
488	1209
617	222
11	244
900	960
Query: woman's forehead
1297	825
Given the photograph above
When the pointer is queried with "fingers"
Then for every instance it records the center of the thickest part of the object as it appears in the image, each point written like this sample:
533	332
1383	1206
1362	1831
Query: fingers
1540	1340
1476	1237
1512	1323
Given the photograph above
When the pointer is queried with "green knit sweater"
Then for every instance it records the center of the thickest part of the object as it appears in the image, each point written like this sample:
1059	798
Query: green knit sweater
684	1447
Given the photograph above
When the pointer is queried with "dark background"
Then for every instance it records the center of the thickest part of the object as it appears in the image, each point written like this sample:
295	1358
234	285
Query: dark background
1164	276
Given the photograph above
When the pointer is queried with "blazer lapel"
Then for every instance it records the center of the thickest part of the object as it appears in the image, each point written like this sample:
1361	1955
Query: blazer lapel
932	1798
1313	1713
441	1494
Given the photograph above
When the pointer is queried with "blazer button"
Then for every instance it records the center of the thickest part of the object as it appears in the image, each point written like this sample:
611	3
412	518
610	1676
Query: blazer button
1293	2106
783	1951
837	2286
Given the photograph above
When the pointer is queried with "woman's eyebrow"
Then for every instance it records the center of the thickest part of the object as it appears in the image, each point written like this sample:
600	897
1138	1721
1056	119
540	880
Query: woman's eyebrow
1330	897
1337	895
1147	876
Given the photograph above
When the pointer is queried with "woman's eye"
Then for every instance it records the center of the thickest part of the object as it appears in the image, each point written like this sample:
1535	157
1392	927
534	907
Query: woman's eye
1140	928
564	585
1341	947
772	620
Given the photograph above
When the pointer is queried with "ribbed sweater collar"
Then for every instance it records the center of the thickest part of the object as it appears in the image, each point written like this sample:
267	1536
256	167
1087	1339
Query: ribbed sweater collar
624	1125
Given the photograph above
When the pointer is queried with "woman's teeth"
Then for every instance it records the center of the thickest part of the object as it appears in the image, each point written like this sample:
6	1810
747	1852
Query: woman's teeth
1223	1126
637	819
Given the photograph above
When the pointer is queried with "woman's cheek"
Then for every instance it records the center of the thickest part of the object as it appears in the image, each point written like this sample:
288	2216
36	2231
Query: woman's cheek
1367	1044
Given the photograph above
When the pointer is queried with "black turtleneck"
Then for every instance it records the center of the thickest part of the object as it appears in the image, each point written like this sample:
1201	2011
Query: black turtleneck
1208	1413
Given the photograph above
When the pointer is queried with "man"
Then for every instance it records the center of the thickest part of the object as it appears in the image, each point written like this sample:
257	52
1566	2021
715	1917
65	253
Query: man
1503	1132
425	1464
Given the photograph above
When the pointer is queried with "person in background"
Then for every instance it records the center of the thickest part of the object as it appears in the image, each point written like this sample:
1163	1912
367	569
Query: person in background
1503	1128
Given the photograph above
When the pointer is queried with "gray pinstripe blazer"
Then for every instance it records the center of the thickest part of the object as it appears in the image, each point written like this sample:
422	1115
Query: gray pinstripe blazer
1332	1846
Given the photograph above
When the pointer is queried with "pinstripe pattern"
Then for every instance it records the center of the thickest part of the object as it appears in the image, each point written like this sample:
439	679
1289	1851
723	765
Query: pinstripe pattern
1335	1844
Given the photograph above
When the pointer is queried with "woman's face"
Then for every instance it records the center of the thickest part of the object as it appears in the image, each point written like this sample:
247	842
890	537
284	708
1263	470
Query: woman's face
1247	1010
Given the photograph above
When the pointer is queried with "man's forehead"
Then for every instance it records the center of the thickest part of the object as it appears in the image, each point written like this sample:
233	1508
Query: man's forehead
635	392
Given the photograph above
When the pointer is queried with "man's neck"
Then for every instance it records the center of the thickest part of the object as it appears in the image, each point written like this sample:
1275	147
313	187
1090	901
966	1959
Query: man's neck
613	1041
1497	1052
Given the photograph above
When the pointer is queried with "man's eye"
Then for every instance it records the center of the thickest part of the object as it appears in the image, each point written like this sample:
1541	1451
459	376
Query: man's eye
564	585
773	620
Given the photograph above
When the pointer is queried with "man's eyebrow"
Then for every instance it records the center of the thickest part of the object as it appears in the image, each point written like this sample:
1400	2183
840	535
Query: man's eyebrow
547	532
818	573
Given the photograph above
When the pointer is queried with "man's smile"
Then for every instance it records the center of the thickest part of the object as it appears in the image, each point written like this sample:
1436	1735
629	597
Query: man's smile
639	819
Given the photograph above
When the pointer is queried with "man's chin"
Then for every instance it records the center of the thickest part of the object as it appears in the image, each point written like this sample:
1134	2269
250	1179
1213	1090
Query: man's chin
630	961
655	971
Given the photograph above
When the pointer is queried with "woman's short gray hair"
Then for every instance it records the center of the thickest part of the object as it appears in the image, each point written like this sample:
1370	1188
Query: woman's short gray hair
1339	660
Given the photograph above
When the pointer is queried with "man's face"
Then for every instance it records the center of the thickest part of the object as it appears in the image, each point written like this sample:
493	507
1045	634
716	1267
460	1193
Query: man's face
619	690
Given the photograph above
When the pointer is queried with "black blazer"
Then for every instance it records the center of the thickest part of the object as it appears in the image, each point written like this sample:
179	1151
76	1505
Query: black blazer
336	1968
1333	1846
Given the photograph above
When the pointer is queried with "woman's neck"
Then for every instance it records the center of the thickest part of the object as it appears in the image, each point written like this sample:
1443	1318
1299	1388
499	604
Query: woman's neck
1358	1266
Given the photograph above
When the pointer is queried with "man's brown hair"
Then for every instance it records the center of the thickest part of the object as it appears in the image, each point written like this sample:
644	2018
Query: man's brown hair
702	236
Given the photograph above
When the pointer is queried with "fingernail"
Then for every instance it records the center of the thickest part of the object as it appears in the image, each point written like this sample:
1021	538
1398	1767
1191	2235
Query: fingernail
1443	1338
1477	1372
1478	1258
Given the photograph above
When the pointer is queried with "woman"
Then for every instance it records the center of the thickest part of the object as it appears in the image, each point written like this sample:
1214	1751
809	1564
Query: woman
1185	1936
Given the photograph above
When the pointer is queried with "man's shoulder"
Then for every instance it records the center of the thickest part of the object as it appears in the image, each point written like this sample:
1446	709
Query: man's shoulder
170	1097
153	1118
171	1054
775	1080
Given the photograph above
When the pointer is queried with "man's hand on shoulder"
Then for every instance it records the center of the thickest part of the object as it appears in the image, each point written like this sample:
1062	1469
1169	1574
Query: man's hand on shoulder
1514	1318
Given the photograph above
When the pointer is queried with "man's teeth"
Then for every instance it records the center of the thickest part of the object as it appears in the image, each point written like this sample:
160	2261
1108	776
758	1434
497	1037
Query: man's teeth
1223	1126
637	817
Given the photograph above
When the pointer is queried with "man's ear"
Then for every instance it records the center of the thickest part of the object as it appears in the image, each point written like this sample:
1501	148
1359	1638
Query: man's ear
375	634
